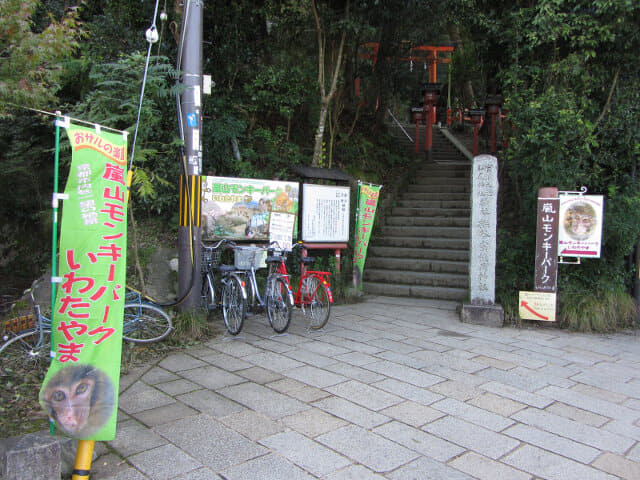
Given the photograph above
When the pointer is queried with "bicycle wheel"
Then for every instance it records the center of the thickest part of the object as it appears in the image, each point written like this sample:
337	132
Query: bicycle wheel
208	295
24	351
279	303
234	305
316	304
145	323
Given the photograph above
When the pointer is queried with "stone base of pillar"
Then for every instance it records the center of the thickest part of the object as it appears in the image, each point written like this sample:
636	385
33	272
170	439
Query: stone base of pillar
487	315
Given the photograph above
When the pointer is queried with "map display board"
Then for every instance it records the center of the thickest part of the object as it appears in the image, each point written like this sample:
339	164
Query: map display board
240	208
325	213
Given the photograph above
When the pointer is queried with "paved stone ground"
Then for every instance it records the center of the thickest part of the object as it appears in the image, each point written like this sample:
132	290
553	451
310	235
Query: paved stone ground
391	389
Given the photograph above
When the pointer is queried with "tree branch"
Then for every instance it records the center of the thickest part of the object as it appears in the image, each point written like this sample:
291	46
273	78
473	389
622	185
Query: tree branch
607	104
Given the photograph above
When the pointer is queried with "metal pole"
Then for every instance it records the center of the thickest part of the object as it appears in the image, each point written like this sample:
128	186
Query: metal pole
189	234
84	455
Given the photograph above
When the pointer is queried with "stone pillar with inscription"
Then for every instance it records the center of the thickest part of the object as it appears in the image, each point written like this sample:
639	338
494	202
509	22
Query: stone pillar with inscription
482	309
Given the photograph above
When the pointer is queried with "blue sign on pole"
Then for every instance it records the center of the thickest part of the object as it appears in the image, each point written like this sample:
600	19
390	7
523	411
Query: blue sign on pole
192	120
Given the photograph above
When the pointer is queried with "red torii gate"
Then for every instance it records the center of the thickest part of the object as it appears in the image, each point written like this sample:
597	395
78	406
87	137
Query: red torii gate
427	54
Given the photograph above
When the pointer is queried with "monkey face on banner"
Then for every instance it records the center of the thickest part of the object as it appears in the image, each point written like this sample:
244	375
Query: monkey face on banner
80	399
580	220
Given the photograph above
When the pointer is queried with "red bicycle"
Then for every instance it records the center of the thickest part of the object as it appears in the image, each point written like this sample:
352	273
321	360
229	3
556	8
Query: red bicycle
313	294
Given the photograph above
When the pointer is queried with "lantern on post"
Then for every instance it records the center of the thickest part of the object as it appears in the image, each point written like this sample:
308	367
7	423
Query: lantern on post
477	116
417	117
431	91
494	103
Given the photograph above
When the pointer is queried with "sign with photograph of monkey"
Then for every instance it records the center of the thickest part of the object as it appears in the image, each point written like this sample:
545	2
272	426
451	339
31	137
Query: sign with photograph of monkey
580	225
80	390
80	399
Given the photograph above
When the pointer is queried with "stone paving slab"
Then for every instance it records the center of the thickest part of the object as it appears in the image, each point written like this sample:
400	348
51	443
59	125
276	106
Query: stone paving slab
390	389
368	449
304	452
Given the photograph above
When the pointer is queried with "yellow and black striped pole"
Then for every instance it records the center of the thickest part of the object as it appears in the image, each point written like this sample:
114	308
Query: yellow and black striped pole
190	200
84	455
189	280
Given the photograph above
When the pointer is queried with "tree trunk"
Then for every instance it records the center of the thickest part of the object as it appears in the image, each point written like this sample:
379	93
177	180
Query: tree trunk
322	121
325	97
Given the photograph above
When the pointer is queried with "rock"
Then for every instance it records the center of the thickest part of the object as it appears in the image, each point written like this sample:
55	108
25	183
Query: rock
34	455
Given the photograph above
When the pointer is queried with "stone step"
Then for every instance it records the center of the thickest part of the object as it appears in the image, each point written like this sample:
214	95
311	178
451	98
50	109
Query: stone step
440	203
435	170
445	175
432	180
417	265
435	196
415	211
419	253
415	221
422	242
439	188
428	232
415	291
428	279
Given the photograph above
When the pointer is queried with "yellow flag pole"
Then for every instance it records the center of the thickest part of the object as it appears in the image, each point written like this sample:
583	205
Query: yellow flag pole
84	454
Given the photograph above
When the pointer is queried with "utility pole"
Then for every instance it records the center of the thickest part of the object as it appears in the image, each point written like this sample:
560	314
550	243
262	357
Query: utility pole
190	113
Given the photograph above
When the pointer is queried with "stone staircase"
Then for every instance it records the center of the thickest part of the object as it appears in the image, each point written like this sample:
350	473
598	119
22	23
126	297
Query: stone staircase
422	250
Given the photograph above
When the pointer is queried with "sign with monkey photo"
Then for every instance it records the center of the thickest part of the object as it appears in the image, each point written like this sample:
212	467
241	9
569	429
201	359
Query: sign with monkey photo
580	225
80	390
240	208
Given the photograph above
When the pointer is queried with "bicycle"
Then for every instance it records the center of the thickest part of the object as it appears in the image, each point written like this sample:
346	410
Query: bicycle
277	300
229	291
144	321
26	340
313	295
28	337
210	292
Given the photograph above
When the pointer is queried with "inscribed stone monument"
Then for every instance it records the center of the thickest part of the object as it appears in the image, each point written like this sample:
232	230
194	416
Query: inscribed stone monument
482	276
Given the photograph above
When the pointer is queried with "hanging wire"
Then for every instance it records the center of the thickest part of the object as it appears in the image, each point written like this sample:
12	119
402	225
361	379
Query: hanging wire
72	119
152	37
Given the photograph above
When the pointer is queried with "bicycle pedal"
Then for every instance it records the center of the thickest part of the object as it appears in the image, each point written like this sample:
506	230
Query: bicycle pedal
18	324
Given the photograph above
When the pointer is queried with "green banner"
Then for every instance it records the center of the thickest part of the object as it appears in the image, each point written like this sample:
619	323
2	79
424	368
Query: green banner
80	390
367	203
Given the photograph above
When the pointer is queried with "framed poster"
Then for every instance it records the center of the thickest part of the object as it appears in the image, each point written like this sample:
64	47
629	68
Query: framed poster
240	208
580	232
325	213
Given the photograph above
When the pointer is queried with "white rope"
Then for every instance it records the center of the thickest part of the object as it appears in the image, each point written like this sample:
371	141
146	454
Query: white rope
152	37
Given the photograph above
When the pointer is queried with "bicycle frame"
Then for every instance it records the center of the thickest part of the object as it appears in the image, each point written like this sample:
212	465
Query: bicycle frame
305	274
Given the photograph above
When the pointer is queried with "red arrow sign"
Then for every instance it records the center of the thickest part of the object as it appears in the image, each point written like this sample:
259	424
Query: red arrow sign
526	305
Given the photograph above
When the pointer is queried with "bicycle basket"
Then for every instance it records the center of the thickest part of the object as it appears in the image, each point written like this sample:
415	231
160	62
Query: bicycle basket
18	324
210	257
246	257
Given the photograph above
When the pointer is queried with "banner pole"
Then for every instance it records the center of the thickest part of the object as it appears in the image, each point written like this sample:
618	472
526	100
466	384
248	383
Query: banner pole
355	226
356	279
84	454
54	233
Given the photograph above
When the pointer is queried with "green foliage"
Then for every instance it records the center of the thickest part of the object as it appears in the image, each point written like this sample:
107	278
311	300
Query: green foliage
30	58
609	309
113	100
192	326
571	89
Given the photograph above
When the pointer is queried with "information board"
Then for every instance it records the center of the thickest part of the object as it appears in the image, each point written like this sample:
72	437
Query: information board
537	306
325	213
240	208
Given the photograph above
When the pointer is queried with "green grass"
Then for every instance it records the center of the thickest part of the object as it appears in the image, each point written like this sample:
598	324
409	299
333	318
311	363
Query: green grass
607	311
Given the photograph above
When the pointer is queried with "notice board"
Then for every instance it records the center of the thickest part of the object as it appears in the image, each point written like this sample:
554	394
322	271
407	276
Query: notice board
325	213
